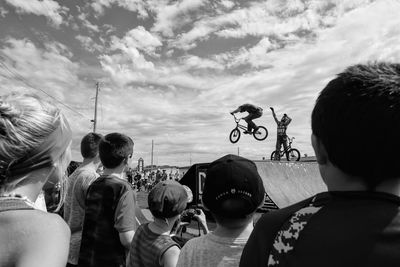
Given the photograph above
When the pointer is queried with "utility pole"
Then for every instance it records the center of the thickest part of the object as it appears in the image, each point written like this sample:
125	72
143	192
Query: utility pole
152	150
95	108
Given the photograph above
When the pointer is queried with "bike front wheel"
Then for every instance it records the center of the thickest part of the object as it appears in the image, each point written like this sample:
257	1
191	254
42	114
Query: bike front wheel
293	155
261	133
234	136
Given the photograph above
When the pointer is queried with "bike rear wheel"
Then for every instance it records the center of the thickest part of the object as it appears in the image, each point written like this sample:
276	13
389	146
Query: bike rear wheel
234	136
261	133
293	155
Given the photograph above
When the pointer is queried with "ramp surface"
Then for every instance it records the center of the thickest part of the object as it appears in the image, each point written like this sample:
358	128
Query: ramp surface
289	182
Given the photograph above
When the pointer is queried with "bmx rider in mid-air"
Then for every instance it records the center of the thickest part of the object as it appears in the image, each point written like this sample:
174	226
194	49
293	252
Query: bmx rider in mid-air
282	136
254	113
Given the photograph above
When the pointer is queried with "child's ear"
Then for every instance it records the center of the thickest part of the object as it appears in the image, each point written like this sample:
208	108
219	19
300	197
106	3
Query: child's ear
319	149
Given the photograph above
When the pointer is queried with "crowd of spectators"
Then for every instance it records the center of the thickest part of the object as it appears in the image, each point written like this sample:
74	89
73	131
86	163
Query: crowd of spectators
355	223
145	180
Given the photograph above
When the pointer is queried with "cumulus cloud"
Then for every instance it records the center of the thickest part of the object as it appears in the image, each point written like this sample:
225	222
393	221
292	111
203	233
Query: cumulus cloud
255	56
138	6
48	8
270	18
87	24
88	43
137	38
173	16
195	62
3	12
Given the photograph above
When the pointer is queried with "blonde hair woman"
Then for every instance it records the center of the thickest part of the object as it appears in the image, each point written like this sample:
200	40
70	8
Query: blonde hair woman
35	143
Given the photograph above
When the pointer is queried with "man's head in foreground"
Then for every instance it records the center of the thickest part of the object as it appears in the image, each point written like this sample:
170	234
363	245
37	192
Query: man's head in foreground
356	125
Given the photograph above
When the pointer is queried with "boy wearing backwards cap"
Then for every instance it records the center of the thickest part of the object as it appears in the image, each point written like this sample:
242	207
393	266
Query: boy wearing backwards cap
233	190
152	244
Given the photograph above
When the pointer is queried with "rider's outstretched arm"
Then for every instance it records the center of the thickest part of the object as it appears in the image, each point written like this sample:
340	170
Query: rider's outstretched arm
273	114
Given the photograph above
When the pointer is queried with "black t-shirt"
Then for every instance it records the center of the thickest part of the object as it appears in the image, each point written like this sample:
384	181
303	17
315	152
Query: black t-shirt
351	229
110	210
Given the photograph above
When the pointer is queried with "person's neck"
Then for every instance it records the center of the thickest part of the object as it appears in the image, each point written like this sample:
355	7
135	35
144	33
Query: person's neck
337	180
161	227
239	230
32	185
89	164
112	172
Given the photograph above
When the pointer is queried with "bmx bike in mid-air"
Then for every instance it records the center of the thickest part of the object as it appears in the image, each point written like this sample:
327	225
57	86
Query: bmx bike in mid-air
259	134
292	154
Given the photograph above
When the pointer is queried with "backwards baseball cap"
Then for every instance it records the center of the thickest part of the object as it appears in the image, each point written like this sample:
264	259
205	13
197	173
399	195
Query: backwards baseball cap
167	199
233	178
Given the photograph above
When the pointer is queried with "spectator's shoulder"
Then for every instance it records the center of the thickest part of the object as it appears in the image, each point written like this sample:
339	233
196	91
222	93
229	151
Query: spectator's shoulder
274	219
45	227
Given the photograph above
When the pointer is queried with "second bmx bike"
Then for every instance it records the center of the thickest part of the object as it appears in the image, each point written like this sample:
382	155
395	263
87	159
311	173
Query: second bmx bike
292	154
260	133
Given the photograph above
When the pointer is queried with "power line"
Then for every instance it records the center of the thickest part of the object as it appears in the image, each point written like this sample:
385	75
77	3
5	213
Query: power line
20	78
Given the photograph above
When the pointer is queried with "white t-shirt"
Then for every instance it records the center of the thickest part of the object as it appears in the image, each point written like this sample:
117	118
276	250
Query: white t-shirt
212	250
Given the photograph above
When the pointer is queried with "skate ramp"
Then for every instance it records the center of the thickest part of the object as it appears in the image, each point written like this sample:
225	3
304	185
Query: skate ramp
289	182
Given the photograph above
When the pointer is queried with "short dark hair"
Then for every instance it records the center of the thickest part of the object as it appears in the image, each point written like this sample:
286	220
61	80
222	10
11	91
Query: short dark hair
115	148
90	145
357	119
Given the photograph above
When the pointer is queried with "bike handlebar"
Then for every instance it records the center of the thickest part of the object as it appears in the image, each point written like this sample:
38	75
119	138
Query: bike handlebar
236	119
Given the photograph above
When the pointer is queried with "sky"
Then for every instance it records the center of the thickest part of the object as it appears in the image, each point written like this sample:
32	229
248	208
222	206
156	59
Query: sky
171	71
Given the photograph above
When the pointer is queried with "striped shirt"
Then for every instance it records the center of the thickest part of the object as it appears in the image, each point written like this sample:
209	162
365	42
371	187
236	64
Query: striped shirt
147	247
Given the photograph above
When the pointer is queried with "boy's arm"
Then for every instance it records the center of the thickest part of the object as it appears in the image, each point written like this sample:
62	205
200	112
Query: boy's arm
125	218
273	114
126	238
170	257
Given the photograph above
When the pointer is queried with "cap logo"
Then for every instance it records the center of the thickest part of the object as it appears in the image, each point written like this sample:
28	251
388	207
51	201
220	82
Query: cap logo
233	191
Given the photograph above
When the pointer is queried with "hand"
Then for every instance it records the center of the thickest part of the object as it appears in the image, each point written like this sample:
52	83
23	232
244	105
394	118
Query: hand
232	113
201	218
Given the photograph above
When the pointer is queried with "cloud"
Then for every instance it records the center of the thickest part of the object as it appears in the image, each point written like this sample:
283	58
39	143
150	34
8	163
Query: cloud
195	62
228	4
3	12
88	43
138	6
171	17
275	18
87	24
255	56
48	8
137	38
